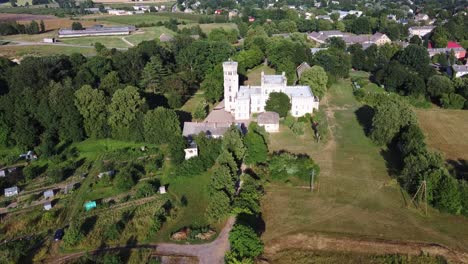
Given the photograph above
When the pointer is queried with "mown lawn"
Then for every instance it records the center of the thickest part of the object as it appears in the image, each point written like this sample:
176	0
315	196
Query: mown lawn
355	195
148	33
108	41
254	75
93	148
207	28
43	50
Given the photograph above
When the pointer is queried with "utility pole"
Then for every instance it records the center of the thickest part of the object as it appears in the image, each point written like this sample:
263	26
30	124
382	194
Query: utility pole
312	181
423	189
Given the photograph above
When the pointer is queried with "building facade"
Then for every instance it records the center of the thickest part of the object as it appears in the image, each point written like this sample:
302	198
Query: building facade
242	101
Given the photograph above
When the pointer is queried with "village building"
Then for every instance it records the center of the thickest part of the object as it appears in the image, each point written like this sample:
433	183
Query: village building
48	40
145	8
97	30
48	194
90	205
420	31
242	101
315	50
47	205
421	17
365	40
30	155
211	129
3	173
11	191
191	151
457	49
269	120
460	70
301	69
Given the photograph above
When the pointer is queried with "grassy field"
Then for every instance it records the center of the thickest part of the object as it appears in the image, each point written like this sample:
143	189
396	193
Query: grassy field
108	41
193	102
207	28
254	75
355	195
43	50
148	33
133	19
446	131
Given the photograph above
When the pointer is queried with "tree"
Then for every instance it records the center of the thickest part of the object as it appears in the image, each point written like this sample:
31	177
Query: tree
153	75
222	180
257	149
77	26
219	205
110	83
440	37
391	114
278	102
447	197
414	56
245	242
33	28
232	142
361	25
73	235
335	62
125	113
200	111
42	26
337	43
316	78
161	125
91	104
437	85
452	101
126	178
13	3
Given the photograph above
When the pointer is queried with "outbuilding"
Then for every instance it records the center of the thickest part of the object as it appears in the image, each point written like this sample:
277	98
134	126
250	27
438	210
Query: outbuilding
48	205
49	194
269	120
191	151
162	189
2	173
11	191
90	205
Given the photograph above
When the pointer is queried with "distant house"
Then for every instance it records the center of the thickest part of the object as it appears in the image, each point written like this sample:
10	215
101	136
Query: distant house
301	68
49	194
460	70
106	173
421	17
218	12
119	12
90	205
11	191
191	151
211	129
233	13
349	38
458	50
269	120
48	40
47	205
420	31
315	50
145	8
97	30
165	37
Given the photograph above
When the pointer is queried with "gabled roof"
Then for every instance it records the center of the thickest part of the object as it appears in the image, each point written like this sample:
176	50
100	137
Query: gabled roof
210	129
268	118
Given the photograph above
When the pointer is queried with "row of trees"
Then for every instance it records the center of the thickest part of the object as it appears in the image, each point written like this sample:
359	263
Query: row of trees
13	28
394	123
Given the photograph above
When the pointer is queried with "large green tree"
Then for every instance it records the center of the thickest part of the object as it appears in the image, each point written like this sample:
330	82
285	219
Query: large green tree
161	125
91	104
438	85
317	79
153	75
245	242
278	102
257	149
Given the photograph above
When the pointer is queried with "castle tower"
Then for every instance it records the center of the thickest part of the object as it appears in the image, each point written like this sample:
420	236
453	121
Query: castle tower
231	85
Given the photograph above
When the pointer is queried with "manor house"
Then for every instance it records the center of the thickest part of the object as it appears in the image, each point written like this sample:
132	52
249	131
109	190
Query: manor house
242	101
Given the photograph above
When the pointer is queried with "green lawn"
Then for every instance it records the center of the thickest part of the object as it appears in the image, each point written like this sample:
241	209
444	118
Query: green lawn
108	41
93	148
207	28
148	33
254	75
355	194
43	50
136	19
193	102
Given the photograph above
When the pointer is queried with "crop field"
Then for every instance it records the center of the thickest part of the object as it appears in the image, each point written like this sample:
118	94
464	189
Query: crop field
446	131
356	194
42	50
133	19
207	28
23	17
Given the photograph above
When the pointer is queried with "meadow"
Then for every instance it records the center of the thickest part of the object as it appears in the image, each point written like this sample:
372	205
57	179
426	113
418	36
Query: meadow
43	50
357	194
207	28
147	18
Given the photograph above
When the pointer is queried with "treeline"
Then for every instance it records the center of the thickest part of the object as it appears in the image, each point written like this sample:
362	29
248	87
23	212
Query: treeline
114	94
13	28
408	72
394	124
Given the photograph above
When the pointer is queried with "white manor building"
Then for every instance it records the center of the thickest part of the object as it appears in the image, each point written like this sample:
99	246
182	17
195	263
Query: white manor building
242	101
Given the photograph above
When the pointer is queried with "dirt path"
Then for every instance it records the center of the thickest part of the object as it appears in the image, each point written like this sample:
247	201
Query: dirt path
127	42
209	253
362	246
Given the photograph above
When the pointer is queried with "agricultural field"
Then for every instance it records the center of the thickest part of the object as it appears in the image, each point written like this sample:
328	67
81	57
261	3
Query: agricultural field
132	19
16	51
148	33
446	131
356	194
207	28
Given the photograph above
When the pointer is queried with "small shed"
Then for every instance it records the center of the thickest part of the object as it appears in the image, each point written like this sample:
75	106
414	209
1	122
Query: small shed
11	191
2	173
49	40
162	189
269	120
90	205
191	151
49	194
48	205
106	173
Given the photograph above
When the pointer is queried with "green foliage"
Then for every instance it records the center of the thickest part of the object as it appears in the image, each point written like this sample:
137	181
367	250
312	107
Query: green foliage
334	61
283	166
126	178
219	205
73	235
257	149
213	85
220	34
438	85
391	114
91	104
298	128
316	78
447	196
145	189
452	101
154	74
415	57
248	199
222	180
278	102
232	142
200	112
31	171
161	125
113	231
76	26
245	242
110	83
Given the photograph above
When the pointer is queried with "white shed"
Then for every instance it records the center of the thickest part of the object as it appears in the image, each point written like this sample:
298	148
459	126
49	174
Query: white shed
11	191
2	173
162	189
48	205
191	151
269	120
49	194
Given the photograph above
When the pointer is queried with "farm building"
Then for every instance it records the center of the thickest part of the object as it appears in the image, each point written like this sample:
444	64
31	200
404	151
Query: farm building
97	30
47	205
269	120
48	40
11	191
49	194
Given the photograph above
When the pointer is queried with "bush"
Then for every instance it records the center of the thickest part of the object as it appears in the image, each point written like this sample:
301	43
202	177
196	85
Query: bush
298	128
31	171
452	101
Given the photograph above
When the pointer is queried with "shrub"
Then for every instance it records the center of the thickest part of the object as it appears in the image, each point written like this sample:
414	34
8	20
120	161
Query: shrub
452	101
298	128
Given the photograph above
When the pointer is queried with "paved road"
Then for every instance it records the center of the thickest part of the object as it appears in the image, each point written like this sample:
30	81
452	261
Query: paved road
209	253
